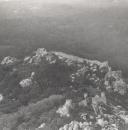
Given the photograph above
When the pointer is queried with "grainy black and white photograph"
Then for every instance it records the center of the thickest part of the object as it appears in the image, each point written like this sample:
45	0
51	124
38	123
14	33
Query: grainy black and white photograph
63	64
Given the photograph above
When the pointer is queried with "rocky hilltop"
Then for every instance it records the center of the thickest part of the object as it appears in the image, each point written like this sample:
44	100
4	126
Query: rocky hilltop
50	90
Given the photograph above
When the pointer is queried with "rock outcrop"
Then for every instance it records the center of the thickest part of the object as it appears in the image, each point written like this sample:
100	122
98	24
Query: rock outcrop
9	60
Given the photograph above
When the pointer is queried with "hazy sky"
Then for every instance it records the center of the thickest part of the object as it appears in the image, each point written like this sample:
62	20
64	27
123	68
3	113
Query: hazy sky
87	2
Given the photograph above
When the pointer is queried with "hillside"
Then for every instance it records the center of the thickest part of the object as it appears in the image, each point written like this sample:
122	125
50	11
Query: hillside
49	90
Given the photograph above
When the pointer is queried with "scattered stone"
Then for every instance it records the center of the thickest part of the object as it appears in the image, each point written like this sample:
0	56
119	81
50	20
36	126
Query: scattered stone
42	125
97	100
51	58
65	109
9	61
101	122
27	59
84	102
75	125
27	82
115	82
1	97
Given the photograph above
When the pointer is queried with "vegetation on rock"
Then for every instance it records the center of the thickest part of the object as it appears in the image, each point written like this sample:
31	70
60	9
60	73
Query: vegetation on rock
56	91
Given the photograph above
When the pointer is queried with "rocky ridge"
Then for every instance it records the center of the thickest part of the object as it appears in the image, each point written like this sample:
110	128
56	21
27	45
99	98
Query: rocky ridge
94	96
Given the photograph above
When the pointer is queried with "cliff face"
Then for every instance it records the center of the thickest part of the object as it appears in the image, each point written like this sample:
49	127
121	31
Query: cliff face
54	90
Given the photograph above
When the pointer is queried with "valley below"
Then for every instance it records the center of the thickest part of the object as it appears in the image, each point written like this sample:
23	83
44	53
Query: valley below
76	27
